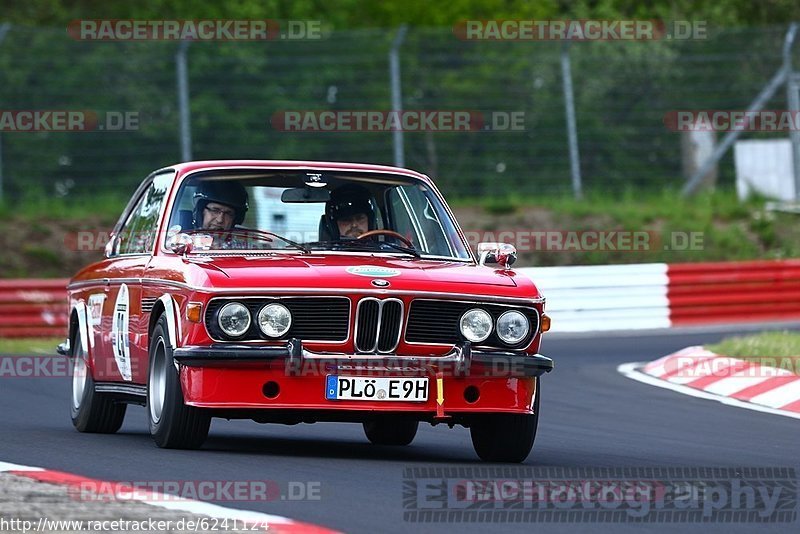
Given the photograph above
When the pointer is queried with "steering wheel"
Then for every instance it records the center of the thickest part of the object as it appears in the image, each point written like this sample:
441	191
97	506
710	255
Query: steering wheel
390	233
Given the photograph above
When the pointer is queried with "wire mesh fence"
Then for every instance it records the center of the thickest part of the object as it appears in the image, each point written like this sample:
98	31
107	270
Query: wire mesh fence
623	90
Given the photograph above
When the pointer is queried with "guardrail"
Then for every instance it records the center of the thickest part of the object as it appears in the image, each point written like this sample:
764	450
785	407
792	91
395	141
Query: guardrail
701	293
33	308
604	297
660	295
579	298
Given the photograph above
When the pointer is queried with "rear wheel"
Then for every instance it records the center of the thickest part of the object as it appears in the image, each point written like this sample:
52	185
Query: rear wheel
91	411
391	431
506	437
173	424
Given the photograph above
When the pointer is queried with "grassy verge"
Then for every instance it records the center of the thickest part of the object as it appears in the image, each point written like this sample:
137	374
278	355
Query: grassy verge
775	349
724	228
39	345
38	234
35	206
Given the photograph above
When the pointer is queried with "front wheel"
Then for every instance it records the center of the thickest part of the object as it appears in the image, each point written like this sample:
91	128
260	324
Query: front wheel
173	424
506	437
391	431
91	411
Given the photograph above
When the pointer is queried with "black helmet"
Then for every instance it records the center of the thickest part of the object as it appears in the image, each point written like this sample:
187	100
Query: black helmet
225	192
346	201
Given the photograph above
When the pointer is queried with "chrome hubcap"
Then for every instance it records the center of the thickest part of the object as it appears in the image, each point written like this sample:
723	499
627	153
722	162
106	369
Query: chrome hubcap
78	375
157	384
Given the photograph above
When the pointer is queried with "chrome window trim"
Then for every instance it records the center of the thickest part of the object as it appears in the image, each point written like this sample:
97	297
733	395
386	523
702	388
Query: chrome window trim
412	178
412	216
409	174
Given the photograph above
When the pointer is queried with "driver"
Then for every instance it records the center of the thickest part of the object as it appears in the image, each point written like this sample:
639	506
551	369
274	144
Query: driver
350	212
219	205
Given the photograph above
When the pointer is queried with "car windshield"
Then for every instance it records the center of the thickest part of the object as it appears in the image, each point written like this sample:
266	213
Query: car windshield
305	211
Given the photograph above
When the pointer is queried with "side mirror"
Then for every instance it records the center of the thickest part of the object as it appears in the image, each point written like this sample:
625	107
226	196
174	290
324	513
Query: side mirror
502	254
180	244
112	247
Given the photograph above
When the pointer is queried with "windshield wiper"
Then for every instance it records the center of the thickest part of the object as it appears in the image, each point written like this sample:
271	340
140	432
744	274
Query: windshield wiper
355	244
401	248
269	235
248	233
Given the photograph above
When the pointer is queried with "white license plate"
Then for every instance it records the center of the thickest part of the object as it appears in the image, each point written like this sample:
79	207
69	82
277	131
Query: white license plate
376	388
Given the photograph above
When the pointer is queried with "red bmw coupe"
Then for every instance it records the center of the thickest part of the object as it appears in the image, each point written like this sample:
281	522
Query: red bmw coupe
297	291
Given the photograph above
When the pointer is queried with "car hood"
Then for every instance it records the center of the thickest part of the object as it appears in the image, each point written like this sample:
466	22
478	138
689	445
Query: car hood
357	272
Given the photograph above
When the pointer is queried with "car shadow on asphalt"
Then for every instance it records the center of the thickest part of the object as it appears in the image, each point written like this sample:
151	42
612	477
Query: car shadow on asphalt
334	449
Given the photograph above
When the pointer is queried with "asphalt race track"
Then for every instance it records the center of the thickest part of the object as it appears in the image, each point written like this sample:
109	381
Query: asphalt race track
591	417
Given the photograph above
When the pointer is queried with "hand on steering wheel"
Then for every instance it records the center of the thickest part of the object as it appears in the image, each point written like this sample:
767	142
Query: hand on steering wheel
391	233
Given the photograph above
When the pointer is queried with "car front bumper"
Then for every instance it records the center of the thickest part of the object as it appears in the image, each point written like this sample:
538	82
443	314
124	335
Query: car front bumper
463	381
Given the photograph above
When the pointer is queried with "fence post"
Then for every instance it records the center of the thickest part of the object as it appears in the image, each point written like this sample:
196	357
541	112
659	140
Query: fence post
397	95
759	102
3	31
793	102
183	101
572	128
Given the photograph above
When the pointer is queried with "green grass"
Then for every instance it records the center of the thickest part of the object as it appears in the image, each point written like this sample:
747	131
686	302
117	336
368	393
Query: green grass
34	206
775	349
632	206
39	345
731	230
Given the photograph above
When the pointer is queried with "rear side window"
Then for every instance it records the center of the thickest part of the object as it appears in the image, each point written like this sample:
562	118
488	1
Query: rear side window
138	234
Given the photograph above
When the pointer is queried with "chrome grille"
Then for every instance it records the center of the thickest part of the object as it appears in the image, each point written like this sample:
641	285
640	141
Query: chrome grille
436	321
378	325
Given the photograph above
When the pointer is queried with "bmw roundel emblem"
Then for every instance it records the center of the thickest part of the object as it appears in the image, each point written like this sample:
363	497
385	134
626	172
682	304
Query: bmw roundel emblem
380	282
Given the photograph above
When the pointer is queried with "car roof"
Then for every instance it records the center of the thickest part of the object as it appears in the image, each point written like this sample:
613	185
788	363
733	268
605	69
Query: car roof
190	166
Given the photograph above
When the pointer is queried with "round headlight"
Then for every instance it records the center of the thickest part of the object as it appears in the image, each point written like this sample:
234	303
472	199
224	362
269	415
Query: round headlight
234	319
274	320
512	327
476	325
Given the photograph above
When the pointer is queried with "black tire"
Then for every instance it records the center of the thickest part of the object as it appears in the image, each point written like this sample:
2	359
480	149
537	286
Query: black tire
390	431
506	437
173	424
91	411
